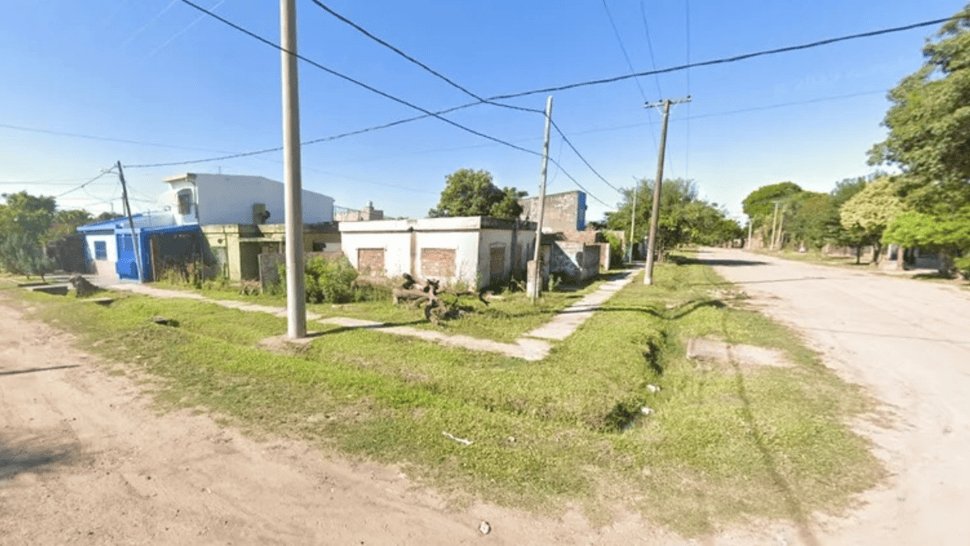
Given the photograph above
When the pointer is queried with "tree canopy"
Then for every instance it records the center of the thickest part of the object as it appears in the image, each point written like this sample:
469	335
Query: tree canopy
929	123
684	218
25	221
759	205
472	193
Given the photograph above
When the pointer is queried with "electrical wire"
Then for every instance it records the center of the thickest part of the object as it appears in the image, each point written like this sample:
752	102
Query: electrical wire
646	30
103	172
687	128
357	82
619	40
724	60
427	68
106	139
580	156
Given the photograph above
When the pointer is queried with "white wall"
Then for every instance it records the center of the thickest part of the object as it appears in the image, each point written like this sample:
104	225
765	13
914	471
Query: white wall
466	236
110	245
229	199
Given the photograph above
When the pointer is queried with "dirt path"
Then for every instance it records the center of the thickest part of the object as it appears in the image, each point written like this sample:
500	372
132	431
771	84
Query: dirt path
84	459
908	344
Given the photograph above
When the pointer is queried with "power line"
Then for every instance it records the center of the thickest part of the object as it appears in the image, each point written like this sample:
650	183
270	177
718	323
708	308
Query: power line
723	60
357	82
687	128
619	40
580	156
646	30
94	137
103	172
427	68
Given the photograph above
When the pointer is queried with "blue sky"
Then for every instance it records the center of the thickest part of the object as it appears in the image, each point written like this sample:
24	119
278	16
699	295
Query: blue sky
156	81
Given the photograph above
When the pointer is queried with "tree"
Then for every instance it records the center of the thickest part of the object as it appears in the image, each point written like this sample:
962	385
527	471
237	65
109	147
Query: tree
66	222
759	205
868	213
472	193
929	124
808	213
24	224
684	218
949	235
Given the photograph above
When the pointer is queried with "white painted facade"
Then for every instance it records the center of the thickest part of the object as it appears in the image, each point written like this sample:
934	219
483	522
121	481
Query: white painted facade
230	199
471	238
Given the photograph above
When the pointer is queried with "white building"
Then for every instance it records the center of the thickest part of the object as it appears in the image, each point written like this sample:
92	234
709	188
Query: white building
208	199
194	200
476	250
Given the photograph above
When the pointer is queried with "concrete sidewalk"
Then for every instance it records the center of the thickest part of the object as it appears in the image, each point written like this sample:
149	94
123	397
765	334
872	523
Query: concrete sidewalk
527	347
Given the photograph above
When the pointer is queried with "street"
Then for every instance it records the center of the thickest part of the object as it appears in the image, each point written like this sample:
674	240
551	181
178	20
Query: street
907	343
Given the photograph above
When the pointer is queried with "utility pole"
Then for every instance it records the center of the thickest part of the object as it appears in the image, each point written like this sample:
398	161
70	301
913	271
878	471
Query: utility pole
131	221
293	193
774	225
655	211
749	234
633	220
537	274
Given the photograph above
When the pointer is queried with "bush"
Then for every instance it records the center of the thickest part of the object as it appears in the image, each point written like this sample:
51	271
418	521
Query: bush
963	266
329	280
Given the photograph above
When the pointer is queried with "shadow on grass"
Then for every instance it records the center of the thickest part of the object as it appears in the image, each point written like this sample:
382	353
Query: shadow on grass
792	503
374	326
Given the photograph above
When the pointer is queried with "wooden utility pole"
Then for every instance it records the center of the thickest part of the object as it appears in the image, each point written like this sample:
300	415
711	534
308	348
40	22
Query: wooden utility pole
293	194
655	211
537	274
131	221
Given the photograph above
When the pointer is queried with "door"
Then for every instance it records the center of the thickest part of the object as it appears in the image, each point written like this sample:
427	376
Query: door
126	266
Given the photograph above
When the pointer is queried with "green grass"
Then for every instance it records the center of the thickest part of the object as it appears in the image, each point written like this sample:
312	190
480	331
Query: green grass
724	444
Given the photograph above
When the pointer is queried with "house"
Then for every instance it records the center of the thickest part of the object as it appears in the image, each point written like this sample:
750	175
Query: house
476	250
572	247
220	220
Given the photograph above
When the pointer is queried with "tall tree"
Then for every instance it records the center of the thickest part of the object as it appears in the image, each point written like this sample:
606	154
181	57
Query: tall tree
24	224
472	193
929	124
684	218
869	212
759	205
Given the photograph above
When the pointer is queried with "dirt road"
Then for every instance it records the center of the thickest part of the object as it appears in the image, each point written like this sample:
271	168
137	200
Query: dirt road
908	344
84	459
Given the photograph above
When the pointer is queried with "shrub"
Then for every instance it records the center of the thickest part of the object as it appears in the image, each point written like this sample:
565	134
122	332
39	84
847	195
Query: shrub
963	266
330	280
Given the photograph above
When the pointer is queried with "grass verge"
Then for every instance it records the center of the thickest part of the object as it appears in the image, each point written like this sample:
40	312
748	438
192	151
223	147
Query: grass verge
723	444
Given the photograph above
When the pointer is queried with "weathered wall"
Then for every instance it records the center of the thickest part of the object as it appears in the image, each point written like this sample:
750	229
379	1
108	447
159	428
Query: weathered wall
574	261
564	211
269	264
450	249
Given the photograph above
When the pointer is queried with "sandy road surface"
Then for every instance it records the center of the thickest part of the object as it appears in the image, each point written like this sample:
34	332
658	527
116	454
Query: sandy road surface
85	460
908	344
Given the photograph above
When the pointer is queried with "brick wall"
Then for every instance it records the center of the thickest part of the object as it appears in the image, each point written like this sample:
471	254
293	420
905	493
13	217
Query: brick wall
438	262
370	261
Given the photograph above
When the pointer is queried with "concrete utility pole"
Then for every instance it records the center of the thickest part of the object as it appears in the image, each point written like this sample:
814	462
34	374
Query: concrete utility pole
749	234
774	225
537	274
131	222
293	193
655	211
633	221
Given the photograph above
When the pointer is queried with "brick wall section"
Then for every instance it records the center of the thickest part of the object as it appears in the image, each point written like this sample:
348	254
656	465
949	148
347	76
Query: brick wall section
438	262
370	261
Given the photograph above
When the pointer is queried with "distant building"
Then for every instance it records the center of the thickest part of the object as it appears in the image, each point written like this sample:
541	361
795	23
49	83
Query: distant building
366	214
225	221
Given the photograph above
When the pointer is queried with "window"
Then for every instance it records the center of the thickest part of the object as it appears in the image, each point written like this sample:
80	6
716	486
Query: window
185	201
100	250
